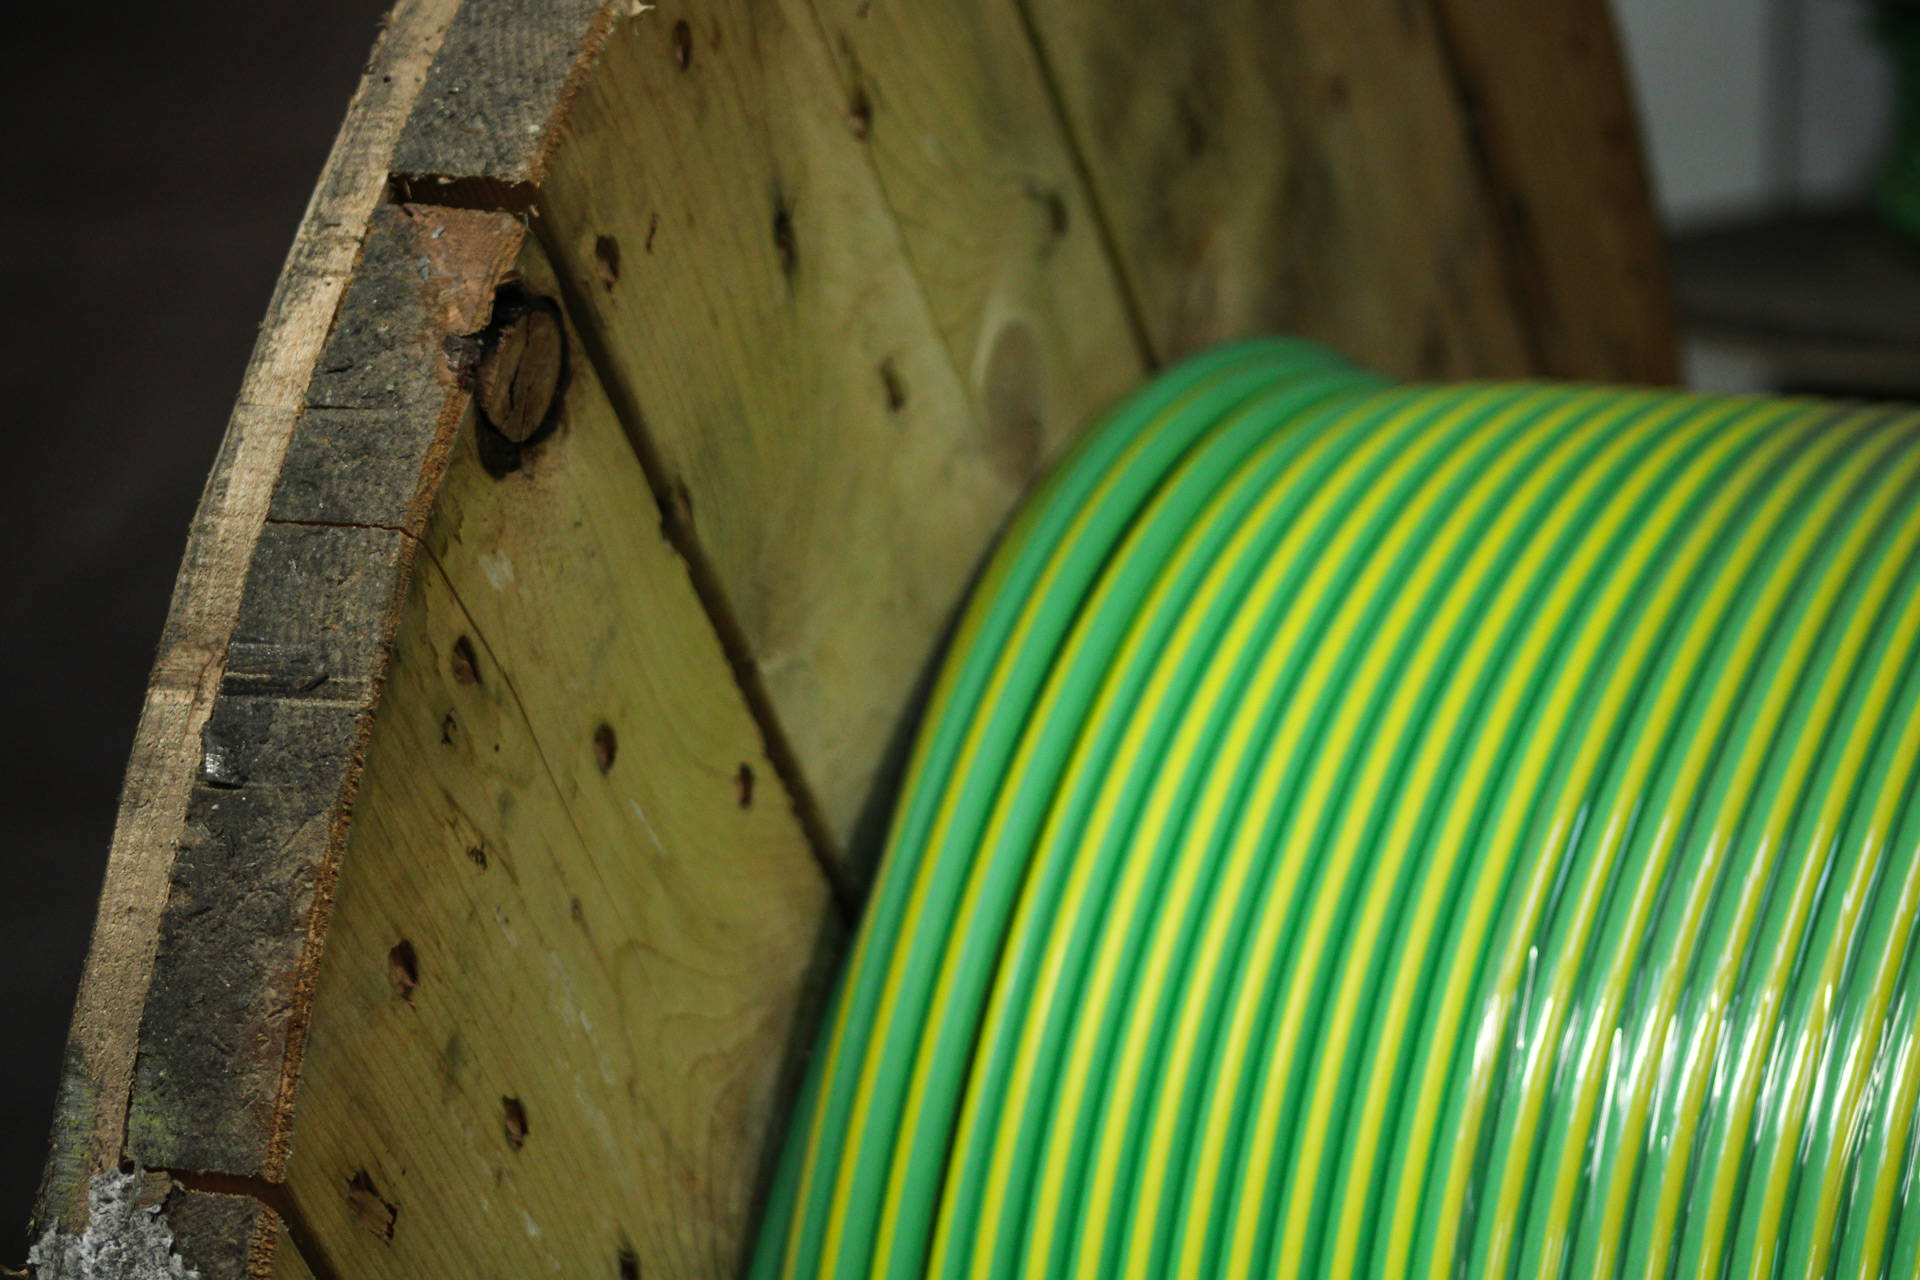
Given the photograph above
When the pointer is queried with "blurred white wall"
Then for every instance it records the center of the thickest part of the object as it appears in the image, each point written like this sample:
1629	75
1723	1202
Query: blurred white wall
1755	105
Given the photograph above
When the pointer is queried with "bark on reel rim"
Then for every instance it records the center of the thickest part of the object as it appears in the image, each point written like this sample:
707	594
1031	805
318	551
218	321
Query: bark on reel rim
766	474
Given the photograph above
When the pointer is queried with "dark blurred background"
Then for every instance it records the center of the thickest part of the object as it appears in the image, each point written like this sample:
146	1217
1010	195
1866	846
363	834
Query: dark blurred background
1766	123
158	159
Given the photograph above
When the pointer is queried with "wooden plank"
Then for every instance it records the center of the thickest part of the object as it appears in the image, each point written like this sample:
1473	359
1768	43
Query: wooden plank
266	820
90	1112
812	437
1298	167
992	209
573	882
223	1237
1554	122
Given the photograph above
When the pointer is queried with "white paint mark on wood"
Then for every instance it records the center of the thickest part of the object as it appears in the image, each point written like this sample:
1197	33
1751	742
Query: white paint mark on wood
498	568
124	1239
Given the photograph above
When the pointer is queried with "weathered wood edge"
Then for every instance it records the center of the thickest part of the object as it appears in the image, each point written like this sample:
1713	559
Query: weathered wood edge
91	1103
236	947
524	60
267	817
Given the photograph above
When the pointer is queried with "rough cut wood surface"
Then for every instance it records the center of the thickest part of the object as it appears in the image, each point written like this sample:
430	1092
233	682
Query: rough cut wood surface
267	817
843	277
494	106
995	218
775	339
223	1237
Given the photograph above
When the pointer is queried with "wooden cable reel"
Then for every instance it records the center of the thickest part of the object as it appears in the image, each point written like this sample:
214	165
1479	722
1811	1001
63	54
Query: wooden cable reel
641	392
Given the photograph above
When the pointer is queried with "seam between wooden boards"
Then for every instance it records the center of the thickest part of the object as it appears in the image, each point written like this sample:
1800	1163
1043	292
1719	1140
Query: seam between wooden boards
274	1197
847	899
679	532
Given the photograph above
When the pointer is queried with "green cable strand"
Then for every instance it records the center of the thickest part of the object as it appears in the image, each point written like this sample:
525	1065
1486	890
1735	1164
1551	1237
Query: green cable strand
1364	830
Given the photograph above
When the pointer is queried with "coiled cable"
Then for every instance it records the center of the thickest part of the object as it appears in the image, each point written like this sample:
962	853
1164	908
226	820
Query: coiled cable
1401	832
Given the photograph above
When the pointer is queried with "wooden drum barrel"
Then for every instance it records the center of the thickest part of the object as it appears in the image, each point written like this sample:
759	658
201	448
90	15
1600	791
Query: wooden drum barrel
642	391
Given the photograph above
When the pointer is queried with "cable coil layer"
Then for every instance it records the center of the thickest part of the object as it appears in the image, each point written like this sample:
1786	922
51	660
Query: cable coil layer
1374	830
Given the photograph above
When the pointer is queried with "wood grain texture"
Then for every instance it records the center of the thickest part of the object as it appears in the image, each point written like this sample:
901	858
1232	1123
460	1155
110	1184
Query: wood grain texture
1547	97
619	950
286	1262
806	424
88	1129
992	210
1300	166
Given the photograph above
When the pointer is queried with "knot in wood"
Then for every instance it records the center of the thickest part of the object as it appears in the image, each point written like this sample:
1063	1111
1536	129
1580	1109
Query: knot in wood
520	374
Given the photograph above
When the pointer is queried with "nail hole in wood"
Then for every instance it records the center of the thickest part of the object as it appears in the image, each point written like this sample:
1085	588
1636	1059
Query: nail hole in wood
890	382
605	747
676	515
629	1265
860	113
783	240
606	259
743	786
516	1122
1191	125
465	664
368	1209
1053	205
682	44
403	969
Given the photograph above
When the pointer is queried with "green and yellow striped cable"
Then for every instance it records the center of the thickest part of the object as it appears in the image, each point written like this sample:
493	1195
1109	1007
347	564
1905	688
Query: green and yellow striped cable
1364	830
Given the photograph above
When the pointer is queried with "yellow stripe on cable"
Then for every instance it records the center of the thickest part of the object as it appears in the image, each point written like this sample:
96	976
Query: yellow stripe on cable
1383	831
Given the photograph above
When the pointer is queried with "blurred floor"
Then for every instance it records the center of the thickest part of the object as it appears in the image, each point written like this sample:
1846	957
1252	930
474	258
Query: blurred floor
157	160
